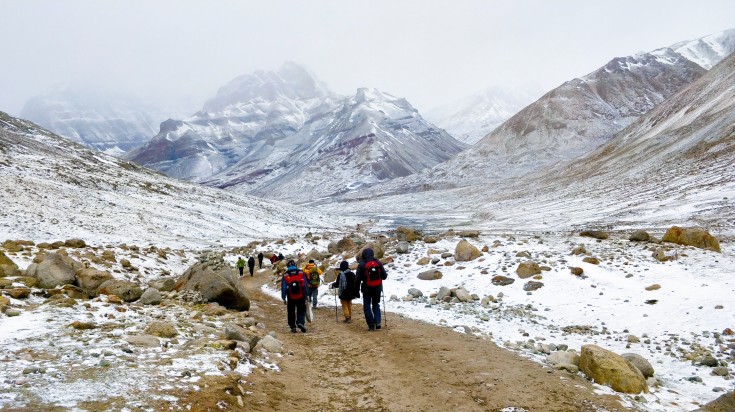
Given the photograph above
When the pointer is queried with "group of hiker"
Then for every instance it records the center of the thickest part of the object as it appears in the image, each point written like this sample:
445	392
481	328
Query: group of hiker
301	286
251	262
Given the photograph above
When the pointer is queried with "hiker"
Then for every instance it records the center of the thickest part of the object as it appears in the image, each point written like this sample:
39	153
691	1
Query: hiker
280	256
251	265
272	258
345	285
313	276
260	260
293	293
371	274
240	264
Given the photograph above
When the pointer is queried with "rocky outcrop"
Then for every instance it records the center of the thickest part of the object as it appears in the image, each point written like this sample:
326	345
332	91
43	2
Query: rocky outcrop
216	280
695	236
610	369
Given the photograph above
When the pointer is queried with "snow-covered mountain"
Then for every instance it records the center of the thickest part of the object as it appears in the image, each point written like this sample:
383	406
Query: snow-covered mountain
473	117
58	187
572	119
279	133
104	121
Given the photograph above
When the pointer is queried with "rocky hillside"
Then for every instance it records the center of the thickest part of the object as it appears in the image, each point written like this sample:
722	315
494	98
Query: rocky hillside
56	184
106	122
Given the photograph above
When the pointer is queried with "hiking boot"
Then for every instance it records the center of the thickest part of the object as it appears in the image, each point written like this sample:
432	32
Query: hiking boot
349	320
377	326
303	329
371	328
346	320
293	330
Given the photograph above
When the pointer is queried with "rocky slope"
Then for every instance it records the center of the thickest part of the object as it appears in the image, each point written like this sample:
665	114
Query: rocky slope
56	184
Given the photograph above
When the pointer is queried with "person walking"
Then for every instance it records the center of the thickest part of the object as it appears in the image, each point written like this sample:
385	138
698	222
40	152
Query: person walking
272	258
251	265
369	280
293	293
345	285
240	264
260	260
313	276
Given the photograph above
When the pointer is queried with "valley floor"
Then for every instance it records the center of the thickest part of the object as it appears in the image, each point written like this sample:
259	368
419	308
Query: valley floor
408	366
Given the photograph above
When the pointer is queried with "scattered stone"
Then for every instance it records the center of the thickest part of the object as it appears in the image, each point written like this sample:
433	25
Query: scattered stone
579	250
143	340
462	295
577	271
407	234
82	325
443	293
75	243
641	363
403	247
531	286
162	329
639	236
125	290
415	293
18	293
655	286
720	371
151	296
465	251
501	280
269	344
596	234
591	260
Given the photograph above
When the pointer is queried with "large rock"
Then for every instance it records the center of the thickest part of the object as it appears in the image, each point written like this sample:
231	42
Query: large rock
75	243
695	236
151	296
465	251
610	369
463	295
407	234
639	236
641	363
595	234
7	266
91	279
163	284
269	344
527	269
725	403
217	282
431	274
403	247
563	357
125	290
55	270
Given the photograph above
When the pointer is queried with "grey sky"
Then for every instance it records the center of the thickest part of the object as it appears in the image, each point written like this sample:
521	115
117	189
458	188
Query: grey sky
428	51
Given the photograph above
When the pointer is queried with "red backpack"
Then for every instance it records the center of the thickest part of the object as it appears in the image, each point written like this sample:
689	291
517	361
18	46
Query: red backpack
372	273
294	285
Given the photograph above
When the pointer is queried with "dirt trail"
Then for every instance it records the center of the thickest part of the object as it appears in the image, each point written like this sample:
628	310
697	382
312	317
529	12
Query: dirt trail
410	366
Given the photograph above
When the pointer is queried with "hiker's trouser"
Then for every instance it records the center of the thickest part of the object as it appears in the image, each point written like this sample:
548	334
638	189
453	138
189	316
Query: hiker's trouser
313	295
346	308
296	312
240	269
371	307
251	269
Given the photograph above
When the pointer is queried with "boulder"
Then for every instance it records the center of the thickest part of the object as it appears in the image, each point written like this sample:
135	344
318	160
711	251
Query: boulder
74	243
377	248
403	247
469	233
610	369
162	329
345	244
90	279
150	296
595	234
147	341
725	403
591	260
217	282
415	293
465	251
431	274
695	236
407	234
527	269
55	270
563	357
576	270
442	293
163	284
639	236
500	280
124	289
269	344
462	294
7	266
641	363
532	285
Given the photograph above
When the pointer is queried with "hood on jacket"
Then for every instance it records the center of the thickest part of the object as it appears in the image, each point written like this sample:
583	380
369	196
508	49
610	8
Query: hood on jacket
367	254
344	266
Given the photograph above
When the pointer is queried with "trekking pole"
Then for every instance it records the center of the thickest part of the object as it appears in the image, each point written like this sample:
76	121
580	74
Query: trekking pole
385	310
336	317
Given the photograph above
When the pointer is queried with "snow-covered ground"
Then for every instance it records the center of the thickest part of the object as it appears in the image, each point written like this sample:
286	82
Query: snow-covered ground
605	306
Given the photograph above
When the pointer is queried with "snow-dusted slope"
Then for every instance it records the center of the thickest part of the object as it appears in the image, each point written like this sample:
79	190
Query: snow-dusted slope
58	188
106	122
473	117
708	50
372	137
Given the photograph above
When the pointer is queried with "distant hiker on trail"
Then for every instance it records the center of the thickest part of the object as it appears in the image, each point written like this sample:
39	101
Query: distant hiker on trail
313	276
345	285
240	264
371	274
293	293
272	258
260	260
280	256
251	265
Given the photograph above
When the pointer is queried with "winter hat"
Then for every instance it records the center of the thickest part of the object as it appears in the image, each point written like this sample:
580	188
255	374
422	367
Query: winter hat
311	260
344	266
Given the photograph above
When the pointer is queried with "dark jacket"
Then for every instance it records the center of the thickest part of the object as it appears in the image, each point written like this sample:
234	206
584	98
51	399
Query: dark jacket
251	262
361	276
345	283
